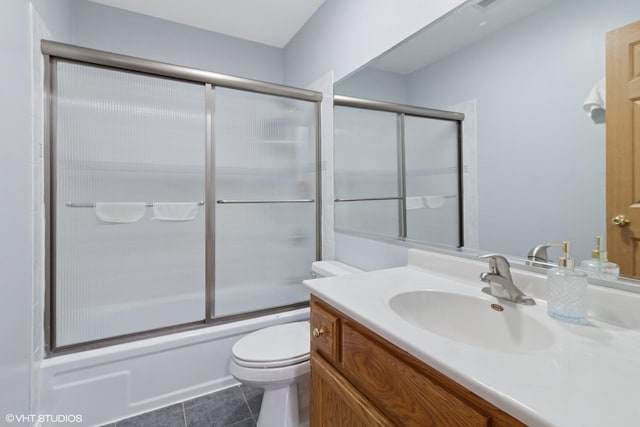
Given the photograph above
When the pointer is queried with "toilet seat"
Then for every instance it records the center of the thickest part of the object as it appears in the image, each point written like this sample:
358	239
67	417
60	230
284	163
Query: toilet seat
274	346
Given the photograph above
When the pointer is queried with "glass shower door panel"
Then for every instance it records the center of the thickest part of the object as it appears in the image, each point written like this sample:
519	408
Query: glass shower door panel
431	152
264	147
124	141
265	187
264	251
365	153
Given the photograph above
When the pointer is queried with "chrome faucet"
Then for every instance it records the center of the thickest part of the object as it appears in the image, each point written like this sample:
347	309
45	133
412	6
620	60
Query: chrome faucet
500	281
538	256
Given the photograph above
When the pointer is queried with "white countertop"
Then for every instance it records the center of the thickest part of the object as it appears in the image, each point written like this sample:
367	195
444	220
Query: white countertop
589	376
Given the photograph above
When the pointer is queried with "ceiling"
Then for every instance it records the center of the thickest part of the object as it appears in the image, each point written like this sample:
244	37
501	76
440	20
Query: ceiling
271	22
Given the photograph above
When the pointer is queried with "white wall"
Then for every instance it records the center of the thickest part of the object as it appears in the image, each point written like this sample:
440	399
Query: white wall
343	35
325	85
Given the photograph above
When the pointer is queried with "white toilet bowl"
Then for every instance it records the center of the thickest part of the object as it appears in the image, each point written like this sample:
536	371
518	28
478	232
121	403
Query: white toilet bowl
276	359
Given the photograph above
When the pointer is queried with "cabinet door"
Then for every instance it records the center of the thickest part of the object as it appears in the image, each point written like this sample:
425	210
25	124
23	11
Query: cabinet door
399	389
335	402
325	331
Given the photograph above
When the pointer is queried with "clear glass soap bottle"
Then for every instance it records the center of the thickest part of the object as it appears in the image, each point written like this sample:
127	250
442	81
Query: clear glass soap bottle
598	266
567	290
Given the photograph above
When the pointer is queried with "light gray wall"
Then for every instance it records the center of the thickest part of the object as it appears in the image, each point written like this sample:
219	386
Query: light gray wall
17	160
344	35
15	227
116	30
541	159
375	84
57	17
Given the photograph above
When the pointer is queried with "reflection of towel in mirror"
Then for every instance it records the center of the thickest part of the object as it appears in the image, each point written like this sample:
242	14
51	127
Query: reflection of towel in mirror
424	202
415	203
597	98
434	202
120	213
165	211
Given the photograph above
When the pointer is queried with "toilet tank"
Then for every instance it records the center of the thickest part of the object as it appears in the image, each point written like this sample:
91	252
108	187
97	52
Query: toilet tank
332	268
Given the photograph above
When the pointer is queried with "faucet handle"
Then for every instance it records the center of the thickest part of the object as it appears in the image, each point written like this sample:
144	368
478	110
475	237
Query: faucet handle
539	253
497	263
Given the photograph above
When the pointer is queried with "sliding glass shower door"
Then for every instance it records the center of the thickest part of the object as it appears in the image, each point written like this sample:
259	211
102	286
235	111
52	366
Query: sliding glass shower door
128	156
176	198
265	191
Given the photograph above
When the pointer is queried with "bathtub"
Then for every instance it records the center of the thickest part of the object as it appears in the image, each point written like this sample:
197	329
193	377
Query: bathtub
120	381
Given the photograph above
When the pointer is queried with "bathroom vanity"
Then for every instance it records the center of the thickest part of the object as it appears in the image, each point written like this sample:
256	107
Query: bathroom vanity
421	345
360	379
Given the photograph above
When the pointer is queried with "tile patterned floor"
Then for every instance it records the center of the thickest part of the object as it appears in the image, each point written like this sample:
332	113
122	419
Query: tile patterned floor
237	406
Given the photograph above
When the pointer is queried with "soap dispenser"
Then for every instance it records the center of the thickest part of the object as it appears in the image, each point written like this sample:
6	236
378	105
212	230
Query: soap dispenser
598	266
567	289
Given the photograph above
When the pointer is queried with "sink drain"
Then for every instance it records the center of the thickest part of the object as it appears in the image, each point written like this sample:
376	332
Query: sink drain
497	307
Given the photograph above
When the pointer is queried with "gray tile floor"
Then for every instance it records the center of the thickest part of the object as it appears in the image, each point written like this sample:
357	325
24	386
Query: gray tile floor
237	406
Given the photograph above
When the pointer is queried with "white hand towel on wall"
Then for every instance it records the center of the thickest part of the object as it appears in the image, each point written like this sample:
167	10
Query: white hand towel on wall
166	211
120	212
434	202
597	99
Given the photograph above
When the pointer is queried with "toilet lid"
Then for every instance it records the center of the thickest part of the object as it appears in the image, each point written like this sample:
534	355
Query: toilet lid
278	345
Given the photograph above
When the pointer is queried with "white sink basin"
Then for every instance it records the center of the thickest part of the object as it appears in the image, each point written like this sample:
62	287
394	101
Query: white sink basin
473	321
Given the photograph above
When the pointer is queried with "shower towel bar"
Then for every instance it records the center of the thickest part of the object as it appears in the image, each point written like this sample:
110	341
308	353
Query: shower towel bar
368	199
93	205
224	202
376	199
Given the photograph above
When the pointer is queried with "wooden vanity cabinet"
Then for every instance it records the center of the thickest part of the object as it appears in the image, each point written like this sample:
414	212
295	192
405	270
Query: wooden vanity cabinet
360	379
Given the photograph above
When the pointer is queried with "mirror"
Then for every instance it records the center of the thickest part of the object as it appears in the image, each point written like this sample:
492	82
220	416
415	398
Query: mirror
521	71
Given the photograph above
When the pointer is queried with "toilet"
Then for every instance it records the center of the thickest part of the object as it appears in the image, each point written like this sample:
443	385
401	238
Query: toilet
276	359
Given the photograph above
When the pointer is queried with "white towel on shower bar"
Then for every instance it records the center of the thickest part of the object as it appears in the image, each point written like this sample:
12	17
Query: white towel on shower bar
171	211
120	212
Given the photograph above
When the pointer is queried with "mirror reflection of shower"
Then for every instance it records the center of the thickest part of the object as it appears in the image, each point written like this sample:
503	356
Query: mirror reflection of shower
529	69
397	171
